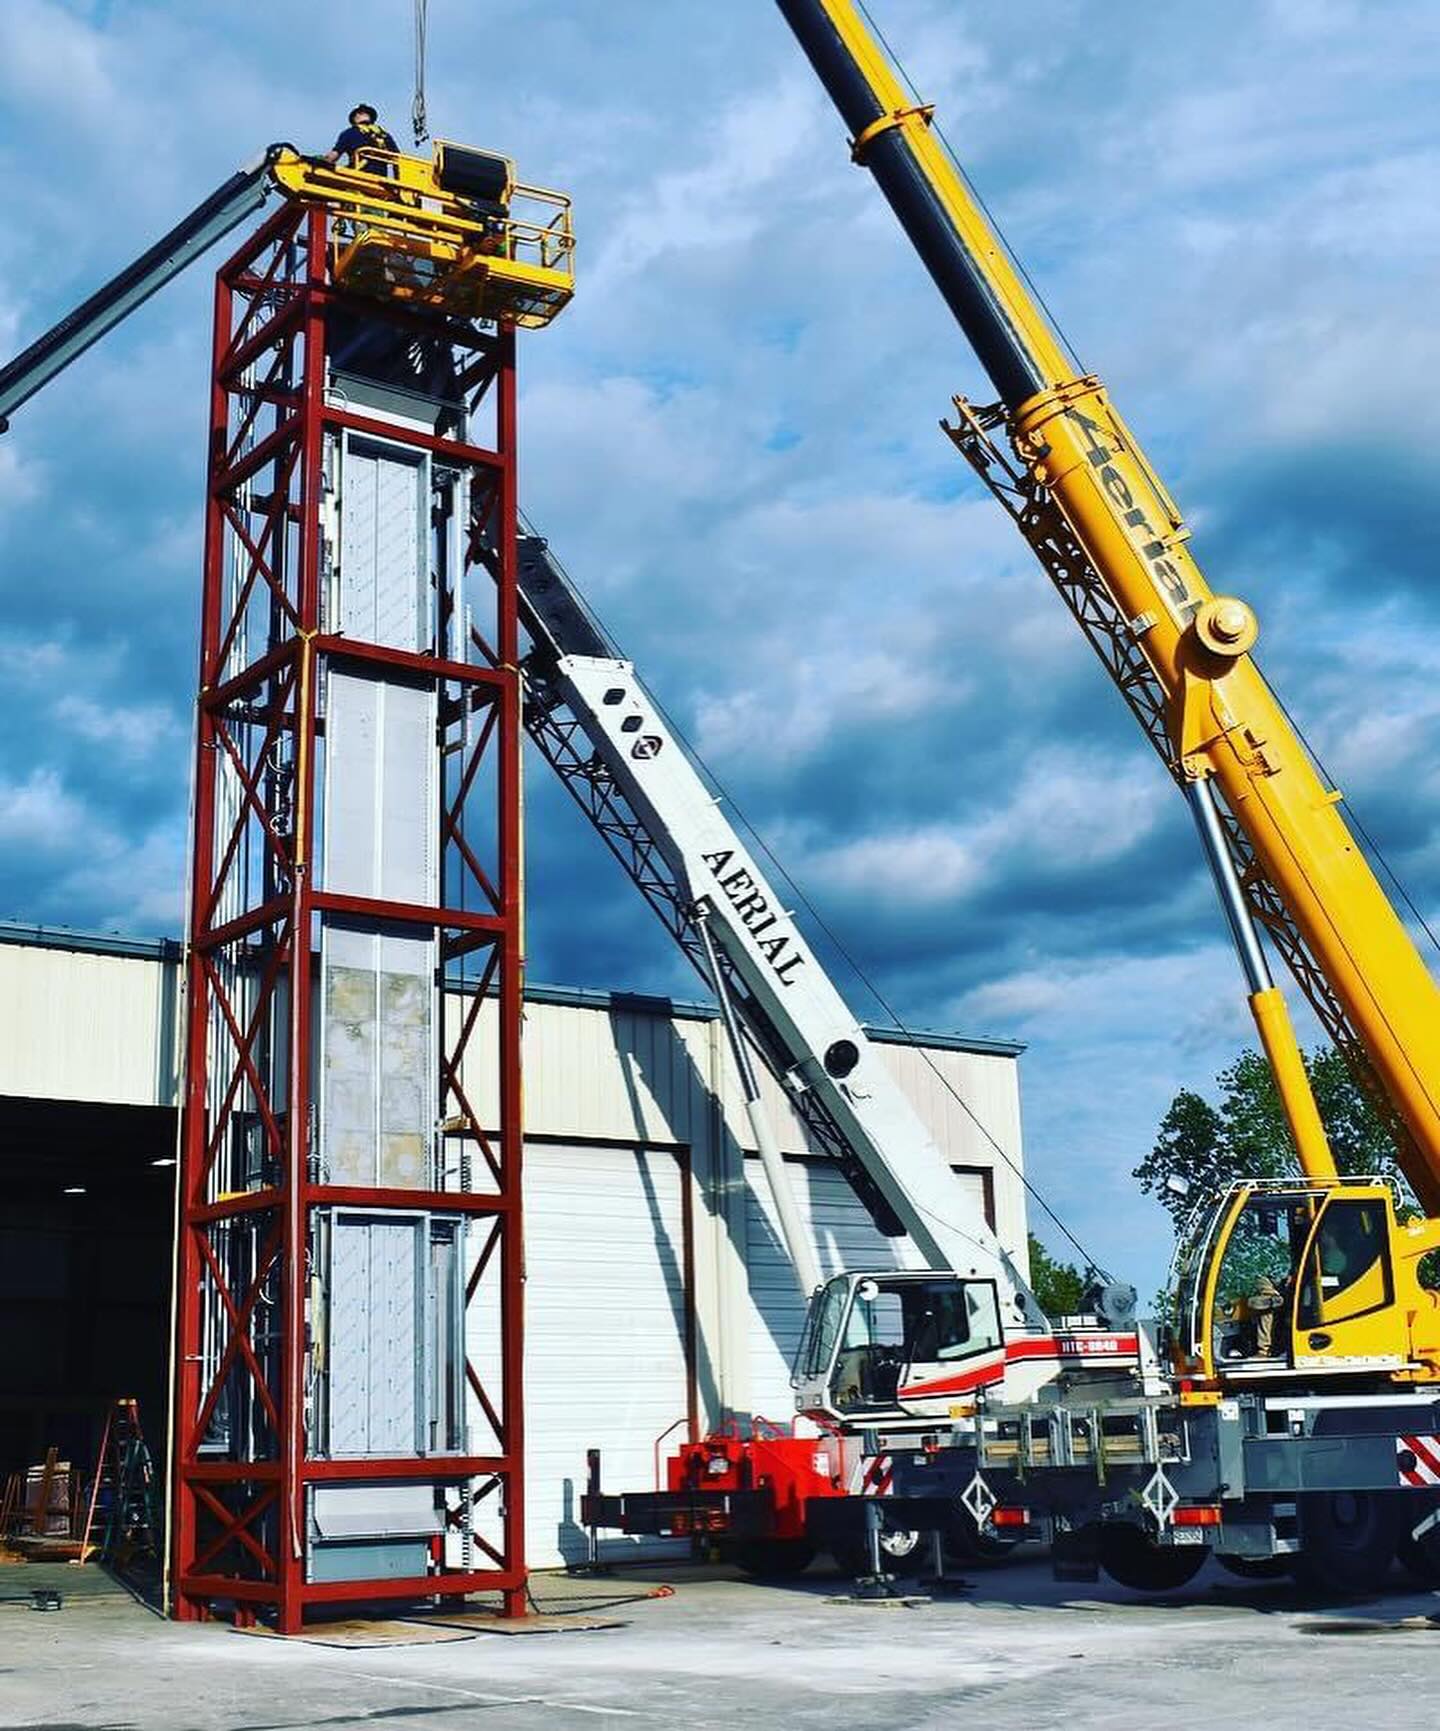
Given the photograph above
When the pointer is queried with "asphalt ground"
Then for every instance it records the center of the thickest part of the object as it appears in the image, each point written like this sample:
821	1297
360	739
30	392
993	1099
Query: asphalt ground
1011	1649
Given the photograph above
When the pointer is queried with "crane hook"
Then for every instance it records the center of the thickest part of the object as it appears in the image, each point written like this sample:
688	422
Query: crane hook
418	118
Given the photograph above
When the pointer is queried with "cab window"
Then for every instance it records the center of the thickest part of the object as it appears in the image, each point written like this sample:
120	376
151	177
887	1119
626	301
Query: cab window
953	1321
892	1325
822	1329
1347	1271
1263	1246
1255	1281
867	1366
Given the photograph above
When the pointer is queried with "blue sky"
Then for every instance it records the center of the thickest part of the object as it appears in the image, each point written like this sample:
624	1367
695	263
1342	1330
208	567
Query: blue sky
731	439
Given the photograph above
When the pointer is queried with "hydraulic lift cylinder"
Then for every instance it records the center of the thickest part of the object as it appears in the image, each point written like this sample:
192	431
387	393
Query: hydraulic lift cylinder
792	1227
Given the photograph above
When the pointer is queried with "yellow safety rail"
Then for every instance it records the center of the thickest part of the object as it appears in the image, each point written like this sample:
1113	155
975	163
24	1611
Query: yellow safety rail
398	234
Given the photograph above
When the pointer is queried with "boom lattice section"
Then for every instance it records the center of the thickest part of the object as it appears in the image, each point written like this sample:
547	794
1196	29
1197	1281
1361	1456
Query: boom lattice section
1108	633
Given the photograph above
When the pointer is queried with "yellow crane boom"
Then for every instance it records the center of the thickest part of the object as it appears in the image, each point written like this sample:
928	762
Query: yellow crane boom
1081	483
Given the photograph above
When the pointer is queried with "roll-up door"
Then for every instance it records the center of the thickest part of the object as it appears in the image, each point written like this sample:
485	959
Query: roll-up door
606	1326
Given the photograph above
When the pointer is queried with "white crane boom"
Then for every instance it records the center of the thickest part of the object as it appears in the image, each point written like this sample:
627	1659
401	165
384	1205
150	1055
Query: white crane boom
823	1048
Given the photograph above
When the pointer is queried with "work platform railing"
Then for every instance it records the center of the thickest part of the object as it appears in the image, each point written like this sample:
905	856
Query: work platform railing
400	232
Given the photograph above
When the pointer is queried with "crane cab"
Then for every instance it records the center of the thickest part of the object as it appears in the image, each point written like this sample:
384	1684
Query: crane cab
880	1348
895	1346
1284	1281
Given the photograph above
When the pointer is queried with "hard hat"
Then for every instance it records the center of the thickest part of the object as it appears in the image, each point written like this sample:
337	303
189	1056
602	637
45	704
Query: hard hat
364	108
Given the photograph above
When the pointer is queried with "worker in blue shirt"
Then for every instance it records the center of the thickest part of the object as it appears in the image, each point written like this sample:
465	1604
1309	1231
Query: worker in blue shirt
363	133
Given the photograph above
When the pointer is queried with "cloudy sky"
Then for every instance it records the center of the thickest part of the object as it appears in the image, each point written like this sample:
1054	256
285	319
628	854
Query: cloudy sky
731	439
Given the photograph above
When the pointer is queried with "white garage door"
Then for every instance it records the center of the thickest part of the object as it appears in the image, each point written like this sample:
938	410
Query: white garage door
845	1237
605	1309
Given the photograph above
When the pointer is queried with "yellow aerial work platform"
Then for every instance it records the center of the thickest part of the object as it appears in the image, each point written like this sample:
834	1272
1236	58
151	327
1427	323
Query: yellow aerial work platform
453	233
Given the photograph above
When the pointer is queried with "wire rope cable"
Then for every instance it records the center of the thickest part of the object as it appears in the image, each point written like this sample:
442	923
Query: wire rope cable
885	1004
419	119
1372	846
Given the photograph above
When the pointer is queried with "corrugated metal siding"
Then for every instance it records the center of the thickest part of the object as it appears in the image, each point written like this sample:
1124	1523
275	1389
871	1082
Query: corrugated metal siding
990	1087
76	1026
605	1305
85	1027
603	1075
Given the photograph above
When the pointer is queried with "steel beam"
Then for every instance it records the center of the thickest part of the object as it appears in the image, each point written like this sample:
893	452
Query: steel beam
251	1196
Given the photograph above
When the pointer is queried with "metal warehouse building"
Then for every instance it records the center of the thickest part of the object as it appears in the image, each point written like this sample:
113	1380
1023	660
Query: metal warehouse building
657	1292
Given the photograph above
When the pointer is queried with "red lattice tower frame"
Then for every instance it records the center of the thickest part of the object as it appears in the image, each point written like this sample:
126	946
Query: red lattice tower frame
238	1500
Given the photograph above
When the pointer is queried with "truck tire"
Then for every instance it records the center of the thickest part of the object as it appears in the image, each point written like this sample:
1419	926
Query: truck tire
1348	1539
1132	1559
899	1547
966	1544
774	1559
1419	1546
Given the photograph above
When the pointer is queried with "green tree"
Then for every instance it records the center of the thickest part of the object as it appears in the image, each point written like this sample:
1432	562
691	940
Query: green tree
1058	1285
1189	1157
1201	1149
1207	1148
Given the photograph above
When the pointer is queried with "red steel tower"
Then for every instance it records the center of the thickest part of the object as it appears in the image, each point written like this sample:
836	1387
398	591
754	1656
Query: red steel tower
348	1419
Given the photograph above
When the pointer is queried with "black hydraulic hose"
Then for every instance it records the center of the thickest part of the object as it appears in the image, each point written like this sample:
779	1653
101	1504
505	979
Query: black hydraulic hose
888	155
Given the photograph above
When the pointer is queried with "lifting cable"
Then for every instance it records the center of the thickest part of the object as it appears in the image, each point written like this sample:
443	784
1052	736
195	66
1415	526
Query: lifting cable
912	1038
1372	846
419	120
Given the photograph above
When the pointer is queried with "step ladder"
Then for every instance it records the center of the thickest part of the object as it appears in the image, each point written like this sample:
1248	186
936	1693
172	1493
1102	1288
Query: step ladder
124	1496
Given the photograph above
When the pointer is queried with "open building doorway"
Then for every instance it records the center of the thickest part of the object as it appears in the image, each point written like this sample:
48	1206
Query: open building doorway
86	1203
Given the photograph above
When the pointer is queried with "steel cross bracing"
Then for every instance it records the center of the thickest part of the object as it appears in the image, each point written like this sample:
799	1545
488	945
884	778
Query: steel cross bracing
1110	635
255	1195
568	749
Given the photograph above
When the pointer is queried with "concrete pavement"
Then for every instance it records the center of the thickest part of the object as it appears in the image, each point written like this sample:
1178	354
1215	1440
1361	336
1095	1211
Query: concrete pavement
1017	1651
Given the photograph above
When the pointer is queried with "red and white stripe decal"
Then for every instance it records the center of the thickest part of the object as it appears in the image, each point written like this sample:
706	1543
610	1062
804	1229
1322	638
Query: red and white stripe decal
1424	1451
978	1376
878	1477
1064	1348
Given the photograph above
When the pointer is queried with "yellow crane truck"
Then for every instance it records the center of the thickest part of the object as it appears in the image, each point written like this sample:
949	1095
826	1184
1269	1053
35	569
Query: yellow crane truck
1300	1427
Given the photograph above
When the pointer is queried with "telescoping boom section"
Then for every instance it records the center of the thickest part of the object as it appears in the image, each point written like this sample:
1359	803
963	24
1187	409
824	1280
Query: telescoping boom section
1086	496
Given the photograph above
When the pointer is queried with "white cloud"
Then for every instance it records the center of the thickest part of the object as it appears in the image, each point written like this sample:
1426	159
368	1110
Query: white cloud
20	482
1067	814
136	883
47	53
131	730
807	696
40	813
723	201
930	864
27	659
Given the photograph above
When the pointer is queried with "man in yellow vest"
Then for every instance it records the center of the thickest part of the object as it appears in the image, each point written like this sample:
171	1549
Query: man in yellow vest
363	133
